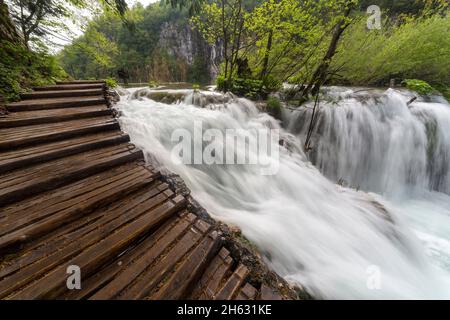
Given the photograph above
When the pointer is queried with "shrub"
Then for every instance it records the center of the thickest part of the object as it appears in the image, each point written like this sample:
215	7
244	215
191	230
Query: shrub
196	86
21	69
111	82
273	107
419	86
153	84
249	88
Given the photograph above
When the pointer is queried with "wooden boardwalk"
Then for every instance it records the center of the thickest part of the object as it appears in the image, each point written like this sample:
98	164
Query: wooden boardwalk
74	191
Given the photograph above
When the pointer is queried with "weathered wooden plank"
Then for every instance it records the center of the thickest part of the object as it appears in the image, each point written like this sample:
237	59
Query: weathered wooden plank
86	230
32	138
25	189
50	223
214	275
149	279
248	292
42	171
231	287
103	277
27	120
61	94
178	284
53	283
76	241
41	104
133	270
53	197
83	203
53	112
69	87
7	133
80	82
216	262
43	156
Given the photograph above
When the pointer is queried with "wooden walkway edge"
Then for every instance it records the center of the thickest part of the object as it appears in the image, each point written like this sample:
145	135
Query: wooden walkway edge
75	192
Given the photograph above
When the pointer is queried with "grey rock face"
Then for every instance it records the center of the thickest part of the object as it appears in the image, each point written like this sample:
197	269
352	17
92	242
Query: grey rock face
181	41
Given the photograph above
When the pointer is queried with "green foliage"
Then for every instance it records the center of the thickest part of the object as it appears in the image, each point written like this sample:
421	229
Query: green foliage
273	103
283	39
20	69
108	47
415	49
419	86
196	86
153	84
273	107
249	88
91	56
111	82
198	71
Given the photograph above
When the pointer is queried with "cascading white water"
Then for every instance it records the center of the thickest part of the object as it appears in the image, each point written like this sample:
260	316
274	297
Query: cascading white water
379	143
327	238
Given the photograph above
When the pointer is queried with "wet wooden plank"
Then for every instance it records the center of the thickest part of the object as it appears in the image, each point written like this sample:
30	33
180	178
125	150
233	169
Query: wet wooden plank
105	191
103	277
40	225
62	93
248	292
163	240
34	155
44	134
17	188
232	285
27	118
76	242
80	82
53	283
49	198
153	275
177	285
69	87
89	228
214	275
53	103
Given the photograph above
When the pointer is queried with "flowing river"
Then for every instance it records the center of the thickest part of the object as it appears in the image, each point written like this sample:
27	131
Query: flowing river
365	215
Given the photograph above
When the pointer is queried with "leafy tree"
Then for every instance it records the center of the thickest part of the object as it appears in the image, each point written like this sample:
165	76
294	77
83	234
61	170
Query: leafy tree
34	17
223	21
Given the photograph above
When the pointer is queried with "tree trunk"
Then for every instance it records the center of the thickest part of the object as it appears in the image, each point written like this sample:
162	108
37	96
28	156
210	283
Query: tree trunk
266	55
320	75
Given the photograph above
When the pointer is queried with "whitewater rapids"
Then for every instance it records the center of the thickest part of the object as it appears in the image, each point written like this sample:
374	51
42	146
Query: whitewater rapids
329	239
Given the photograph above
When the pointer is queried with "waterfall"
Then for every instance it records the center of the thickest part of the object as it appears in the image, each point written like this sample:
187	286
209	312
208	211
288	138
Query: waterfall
335	241
379	143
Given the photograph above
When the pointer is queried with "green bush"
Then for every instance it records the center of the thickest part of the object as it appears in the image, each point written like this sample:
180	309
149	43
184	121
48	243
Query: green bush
419	86
249	88
153	84
20	69
111	82
273	103
273	107
196	86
